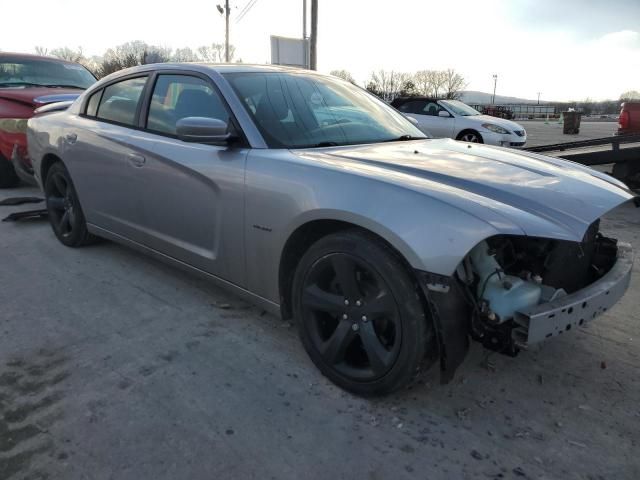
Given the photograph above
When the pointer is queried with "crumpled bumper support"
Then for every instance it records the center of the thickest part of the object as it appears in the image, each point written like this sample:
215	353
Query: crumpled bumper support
451	315
553	318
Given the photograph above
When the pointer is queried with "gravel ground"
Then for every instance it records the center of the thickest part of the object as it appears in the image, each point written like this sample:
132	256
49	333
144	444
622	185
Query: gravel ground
115	366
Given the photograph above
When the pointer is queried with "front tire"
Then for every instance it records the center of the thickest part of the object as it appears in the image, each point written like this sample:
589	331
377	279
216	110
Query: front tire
470	136
65	213
8	177
361	319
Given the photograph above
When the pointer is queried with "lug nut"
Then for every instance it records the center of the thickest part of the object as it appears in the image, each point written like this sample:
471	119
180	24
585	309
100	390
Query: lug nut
358	303
364	318
355	327
346	301
345	316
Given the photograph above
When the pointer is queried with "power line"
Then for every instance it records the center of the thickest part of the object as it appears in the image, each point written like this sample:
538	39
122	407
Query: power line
246	9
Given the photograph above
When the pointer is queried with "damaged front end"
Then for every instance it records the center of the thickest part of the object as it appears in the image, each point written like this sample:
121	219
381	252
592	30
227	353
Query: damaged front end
513	291
527	289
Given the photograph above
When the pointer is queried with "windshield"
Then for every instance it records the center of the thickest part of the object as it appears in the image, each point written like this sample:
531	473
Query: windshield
294	110
25	73
460	108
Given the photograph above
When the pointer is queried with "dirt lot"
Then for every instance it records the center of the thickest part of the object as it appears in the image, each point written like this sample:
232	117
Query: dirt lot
114	366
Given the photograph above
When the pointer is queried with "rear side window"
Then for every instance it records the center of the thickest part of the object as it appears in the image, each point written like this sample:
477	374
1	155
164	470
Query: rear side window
413	106
120	100
180	96
92	104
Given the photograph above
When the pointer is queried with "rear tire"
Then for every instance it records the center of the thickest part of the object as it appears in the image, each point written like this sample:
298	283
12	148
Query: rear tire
65	213
8	177
360	317
470	136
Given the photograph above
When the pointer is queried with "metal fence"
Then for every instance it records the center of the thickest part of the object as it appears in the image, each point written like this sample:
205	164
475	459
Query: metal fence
528	111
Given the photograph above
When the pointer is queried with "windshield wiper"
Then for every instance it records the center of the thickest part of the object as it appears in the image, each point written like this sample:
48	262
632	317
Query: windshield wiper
405	138
61	85
324	144
18	84
31	84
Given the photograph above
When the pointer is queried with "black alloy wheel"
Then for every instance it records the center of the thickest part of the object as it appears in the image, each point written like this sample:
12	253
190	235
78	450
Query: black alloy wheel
65	213
362	320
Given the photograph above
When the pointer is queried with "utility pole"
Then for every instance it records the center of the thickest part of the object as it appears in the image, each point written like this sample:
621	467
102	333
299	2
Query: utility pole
226	32
313	54
538	98
304	19
495	82
304	33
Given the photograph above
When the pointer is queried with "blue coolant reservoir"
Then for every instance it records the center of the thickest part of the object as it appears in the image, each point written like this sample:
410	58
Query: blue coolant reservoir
505	294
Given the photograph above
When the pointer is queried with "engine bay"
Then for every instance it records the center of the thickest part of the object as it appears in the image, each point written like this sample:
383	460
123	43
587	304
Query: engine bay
506	274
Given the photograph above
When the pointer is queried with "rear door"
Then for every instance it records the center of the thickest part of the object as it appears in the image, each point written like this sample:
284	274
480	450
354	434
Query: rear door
193	194
103	151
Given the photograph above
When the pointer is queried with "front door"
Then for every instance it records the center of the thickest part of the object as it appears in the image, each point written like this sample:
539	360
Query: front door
428	116
193	194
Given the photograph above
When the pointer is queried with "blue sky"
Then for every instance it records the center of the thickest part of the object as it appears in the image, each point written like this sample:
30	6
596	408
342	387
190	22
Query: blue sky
566	49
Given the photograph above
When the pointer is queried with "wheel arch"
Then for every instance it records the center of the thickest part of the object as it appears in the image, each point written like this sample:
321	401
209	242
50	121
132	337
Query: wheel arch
45	164
310	231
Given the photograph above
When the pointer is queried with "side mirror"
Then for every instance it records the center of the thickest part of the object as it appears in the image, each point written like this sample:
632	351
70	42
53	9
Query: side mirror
444	113
412	120
203	130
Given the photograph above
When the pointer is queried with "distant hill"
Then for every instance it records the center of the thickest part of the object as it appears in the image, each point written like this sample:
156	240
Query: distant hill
475	97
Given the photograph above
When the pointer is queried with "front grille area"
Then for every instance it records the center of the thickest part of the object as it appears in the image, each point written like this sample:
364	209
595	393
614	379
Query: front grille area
517	144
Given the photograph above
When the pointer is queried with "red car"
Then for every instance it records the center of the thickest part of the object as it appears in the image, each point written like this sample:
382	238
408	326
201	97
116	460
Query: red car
629	121
26	83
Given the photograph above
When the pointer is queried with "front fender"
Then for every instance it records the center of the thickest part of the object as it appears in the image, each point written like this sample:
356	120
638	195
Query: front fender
284	194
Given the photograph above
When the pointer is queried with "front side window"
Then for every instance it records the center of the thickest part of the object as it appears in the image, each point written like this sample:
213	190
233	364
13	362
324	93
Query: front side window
180	96
431	108
294	110
119	101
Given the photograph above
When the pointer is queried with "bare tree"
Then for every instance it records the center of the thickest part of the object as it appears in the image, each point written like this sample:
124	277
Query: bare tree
422	82
66	53
630	95
41	51
454	83
131	54
184	55
388	84
214	53
343	74
438	82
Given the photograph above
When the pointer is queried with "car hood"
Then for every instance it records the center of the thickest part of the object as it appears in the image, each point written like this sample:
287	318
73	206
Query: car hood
37	96
516	192
508	124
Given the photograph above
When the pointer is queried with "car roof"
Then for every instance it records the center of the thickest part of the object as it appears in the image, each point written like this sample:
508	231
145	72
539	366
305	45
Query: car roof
220	67
419	98
8	56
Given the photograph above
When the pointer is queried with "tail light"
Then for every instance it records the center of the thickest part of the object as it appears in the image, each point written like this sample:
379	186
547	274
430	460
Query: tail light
623	121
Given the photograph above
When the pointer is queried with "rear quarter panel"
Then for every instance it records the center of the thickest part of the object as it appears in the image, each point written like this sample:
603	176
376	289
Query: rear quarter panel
44	137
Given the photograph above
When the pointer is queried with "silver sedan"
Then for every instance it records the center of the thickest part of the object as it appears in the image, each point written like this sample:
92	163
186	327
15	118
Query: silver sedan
317	201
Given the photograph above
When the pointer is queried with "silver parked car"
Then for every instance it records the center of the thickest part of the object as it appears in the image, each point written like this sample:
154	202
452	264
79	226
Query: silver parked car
310	197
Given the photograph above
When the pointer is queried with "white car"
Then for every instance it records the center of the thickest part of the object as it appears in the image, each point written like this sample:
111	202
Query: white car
454	119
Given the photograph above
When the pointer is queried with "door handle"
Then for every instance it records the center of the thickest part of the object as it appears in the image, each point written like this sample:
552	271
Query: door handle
137	160
71	138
